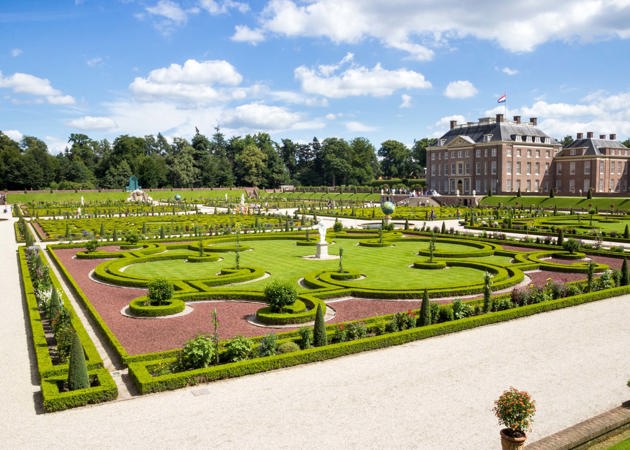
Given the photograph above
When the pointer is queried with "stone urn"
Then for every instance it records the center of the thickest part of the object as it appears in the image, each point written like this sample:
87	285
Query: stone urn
509	442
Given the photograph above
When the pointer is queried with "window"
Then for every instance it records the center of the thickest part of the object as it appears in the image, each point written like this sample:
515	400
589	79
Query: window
546	167
487	137
537	153
508	185
546	153
518	167
459	154
572	168
587	167
558	185
478	153
611	185
602	167
529	152
442	141
518	152
612	167
432	156
587	185
537	172
453	169
467	167
529	167
478	185
439	169
572	152
619	165
601	186
460	168
558	168
571	185
508	167
478	168
439	156
445	169
508	151
494	152
432	171
493	168
446	155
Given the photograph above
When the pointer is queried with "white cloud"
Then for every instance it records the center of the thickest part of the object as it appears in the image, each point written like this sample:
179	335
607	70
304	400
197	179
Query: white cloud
93	123
358	127
405	101
256	115
509	71
15	52
169	10
414	28
24	83
13	134
357	80
95	62
55	144
216	7
195	81
331	116
460	89
243	33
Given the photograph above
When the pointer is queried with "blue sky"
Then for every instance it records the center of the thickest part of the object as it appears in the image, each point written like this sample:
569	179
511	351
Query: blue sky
396	69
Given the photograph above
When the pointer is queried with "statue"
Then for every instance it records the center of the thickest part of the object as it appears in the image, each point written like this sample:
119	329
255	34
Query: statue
321	227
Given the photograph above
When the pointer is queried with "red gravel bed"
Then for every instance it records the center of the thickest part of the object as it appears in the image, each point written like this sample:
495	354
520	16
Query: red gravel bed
539	278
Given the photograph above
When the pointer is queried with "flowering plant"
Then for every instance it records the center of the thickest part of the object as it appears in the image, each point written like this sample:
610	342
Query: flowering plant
515	409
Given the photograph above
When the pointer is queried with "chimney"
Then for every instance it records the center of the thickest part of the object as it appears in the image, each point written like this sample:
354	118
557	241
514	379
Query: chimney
499	118
533	120
602	136
580	135
613	137
453	124
517	119
589	135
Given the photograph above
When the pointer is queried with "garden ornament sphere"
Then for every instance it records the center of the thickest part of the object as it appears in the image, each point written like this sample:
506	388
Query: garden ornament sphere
388	208
178	197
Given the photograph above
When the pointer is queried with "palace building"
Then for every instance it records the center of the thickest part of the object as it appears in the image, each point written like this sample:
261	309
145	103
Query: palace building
500	156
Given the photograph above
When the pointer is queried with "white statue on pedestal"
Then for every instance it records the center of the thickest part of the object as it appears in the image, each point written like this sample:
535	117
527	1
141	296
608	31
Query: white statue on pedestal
321	227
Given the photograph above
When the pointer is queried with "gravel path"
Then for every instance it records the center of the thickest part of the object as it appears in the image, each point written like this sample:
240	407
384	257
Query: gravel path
432	394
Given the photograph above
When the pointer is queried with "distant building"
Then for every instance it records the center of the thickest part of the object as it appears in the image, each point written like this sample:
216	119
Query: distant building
503	157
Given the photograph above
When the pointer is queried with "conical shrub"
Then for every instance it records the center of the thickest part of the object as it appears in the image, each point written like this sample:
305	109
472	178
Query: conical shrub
77	368
425	310
319	331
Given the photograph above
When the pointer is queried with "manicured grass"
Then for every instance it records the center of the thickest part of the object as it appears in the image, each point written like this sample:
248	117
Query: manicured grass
565	203
177	269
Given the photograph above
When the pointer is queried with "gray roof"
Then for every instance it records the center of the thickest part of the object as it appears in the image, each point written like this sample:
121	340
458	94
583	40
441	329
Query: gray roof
593	146
500	131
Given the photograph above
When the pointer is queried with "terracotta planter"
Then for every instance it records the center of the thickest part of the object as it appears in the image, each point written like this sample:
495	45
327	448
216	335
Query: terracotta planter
511	443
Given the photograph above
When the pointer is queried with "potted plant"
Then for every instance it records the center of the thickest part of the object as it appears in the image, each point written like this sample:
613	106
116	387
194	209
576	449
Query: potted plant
515	410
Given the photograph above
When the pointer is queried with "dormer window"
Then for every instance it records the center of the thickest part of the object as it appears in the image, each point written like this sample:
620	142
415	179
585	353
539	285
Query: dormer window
442	141
487	137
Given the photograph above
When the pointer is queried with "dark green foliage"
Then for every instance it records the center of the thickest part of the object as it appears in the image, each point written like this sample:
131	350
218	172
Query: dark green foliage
319	330
160	291
340	260
425	310
358	330
560	241
589	194
279	295
91	245
461	310
64	338
443	231
625	276
571	245
115	235
626	232
338	226
238	348
590	276
77	367
306	338
552	194
197	353
446	313
518	193
268	345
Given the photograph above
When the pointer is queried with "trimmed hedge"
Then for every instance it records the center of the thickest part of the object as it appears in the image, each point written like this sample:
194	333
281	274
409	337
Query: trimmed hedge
138	308
204	258
429	265
146	383
54	400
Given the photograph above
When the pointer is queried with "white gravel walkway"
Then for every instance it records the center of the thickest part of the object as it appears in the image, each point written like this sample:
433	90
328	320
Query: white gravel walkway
433	394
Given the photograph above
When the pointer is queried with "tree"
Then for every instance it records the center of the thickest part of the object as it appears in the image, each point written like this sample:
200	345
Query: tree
160	291
419	155
250	166
280	295
560	240
77	367
395	159
425	310
567	140
590	274
625	277
319	330
571	245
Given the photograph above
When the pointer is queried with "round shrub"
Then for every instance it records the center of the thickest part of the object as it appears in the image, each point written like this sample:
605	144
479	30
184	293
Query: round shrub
429	265
288	347
160	291
279	295
138	307
197	353
238	348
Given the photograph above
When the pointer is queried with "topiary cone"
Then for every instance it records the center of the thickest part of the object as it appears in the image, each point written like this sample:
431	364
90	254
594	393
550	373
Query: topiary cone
77	368
319	331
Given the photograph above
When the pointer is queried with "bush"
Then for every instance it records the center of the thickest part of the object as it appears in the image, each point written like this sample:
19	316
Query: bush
160	291
91	246
279	295
197	353
306	338
571	245
339	334
77	367
338	226
238	348
425	310
288	347
268	345
446	313
461	310
356	330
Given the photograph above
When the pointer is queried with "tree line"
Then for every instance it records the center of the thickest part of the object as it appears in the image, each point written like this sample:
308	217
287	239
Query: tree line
253	160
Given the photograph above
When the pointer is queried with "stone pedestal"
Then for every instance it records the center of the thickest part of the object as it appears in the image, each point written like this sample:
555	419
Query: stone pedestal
322	251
